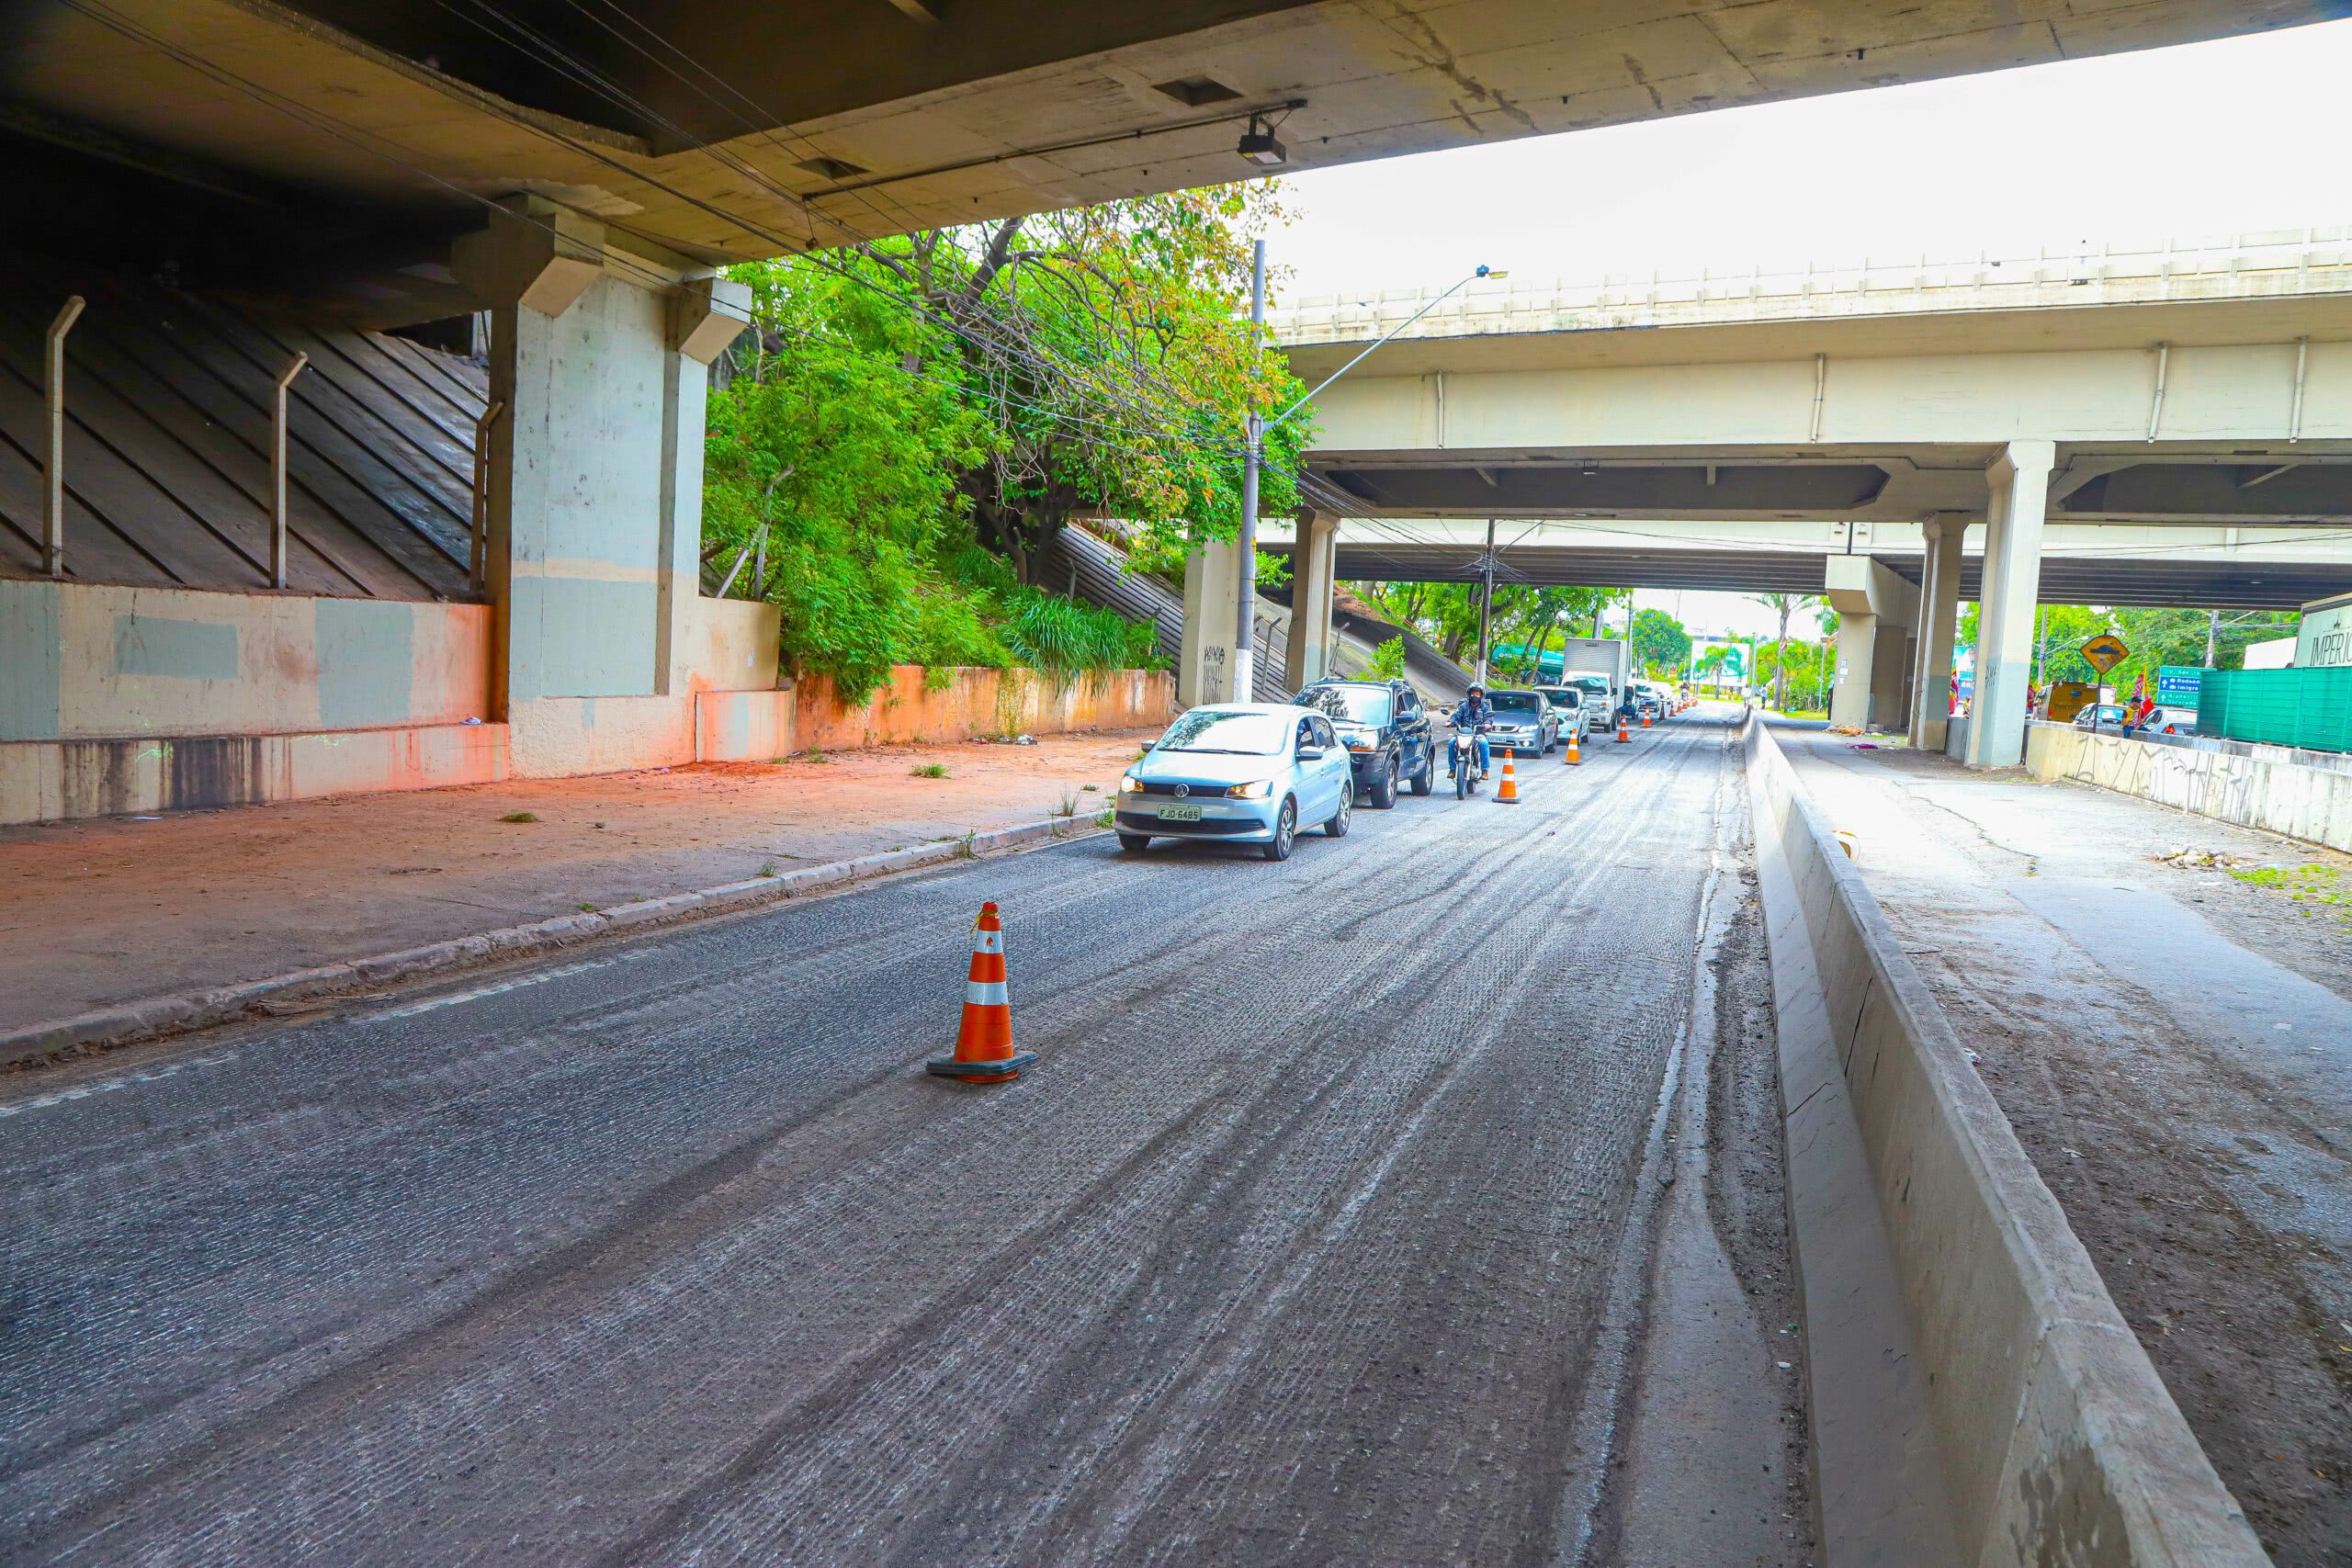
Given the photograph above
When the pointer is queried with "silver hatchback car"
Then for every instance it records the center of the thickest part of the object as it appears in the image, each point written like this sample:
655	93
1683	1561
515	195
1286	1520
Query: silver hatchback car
1245	773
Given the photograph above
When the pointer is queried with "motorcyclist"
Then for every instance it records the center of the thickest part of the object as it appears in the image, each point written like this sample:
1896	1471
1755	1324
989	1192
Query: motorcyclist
1470	716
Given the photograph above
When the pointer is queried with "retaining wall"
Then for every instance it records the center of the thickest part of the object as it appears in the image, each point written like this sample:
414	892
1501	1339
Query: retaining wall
2301	801
2057	1442
978	701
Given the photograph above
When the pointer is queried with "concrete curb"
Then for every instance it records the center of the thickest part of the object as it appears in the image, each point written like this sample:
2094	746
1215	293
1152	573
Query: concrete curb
35	1044
2052	1437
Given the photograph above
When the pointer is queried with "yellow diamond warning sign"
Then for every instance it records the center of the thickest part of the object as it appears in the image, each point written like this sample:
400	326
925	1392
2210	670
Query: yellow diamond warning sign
2104	651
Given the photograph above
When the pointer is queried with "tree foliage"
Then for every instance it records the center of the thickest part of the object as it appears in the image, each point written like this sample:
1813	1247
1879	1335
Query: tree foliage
1660	643
906	400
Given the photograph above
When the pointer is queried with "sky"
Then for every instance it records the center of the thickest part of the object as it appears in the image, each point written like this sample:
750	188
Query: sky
2210	138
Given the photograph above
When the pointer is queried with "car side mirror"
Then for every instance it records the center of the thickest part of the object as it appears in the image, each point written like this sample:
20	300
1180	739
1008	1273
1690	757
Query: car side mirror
1310	753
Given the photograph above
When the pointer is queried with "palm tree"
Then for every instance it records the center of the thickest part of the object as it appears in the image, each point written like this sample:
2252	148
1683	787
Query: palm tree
1787	604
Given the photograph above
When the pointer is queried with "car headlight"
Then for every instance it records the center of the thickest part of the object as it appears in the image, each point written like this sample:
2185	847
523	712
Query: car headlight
1359	742
1258	791
1130	784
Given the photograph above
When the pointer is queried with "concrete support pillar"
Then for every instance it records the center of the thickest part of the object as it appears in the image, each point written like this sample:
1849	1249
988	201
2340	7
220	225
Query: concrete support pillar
705	314
1939	616
1312	564
1212	607
594	473
1876	610
2020	484
1849	696
1891	679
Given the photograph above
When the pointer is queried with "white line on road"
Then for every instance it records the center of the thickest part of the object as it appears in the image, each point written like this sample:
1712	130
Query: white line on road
107	1086
515	982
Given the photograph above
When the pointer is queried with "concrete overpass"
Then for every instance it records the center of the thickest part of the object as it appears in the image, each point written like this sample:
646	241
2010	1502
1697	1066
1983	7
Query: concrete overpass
327	149
2194	399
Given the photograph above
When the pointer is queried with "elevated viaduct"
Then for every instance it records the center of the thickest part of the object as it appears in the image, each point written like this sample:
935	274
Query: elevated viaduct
2168	425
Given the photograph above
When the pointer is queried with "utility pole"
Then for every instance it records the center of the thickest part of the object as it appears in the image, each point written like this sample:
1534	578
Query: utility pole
2212	639
1253	452
1486	597
2040	644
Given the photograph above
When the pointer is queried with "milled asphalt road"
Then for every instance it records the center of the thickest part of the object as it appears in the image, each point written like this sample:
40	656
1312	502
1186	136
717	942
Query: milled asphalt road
1306	1241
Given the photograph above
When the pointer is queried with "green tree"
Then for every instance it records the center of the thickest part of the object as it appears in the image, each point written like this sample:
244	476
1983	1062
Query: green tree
1660	643
1784	606
831	483
1110	350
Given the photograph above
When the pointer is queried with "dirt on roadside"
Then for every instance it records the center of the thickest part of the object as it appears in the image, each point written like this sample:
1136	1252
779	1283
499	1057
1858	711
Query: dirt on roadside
97	912
2209	1176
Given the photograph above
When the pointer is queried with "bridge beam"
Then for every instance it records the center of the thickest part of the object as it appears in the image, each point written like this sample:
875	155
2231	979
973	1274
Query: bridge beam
2020	484
1946	535
1314	561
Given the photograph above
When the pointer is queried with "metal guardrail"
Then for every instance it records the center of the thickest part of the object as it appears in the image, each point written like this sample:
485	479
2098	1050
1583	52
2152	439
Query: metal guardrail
2279	263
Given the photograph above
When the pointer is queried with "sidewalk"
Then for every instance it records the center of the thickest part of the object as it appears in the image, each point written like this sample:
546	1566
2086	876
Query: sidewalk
2172	1038
100	912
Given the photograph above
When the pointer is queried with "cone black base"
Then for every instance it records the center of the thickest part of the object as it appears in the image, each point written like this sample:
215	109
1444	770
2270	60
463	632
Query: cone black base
949	1067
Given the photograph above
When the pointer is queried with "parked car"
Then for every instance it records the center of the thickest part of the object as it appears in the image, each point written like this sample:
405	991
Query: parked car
1245	773
1525	725
1649	701
2160	721
1386	728
1575	720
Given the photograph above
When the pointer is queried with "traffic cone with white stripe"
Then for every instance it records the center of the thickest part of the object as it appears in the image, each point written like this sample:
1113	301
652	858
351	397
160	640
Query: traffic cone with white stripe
984	1052
1574	756
1509	793
1624	734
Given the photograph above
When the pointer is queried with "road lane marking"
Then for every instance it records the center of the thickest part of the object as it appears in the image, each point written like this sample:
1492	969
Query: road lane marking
499	987
108	1086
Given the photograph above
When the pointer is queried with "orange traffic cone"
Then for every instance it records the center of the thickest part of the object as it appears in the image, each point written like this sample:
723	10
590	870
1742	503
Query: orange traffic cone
1645	721
1625	736
984	1052
1574	756
1509	793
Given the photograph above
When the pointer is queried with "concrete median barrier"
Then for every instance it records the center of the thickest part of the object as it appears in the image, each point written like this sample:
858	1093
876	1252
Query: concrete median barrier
2052	1439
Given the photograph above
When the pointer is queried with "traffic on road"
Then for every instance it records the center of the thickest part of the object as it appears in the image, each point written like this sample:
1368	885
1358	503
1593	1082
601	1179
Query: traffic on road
1260	774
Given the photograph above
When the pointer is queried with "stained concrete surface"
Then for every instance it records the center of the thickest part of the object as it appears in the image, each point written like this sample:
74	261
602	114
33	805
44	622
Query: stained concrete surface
2126	1010
1301	1245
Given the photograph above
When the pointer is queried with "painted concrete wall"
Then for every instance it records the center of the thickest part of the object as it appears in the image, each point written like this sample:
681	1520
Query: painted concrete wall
980	702
61	780
2312	804
85	663
2058	1442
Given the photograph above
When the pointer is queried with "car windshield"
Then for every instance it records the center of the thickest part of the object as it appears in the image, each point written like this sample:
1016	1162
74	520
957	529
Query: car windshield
1594	683
1358	704
1561	698
1513	702
1239	734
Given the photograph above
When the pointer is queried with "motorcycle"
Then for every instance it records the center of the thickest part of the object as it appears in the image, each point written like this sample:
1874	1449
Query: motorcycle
1463	758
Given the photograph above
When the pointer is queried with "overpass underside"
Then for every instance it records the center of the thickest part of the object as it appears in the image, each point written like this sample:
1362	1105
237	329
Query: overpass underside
2065	579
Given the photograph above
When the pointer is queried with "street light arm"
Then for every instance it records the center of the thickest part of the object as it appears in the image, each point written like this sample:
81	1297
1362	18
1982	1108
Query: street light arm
1279	419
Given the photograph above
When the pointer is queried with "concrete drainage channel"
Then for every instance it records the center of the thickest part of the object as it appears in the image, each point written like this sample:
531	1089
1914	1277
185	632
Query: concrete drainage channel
1977	1399
154	1017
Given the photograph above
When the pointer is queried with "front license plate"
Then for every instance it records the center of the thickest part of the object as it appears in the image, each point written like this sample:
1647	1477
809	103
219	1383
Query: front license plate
1180	814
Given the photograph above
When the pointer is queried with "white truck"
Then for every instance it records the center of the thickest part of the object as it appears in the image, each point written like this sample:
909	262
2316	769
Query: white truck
1601	667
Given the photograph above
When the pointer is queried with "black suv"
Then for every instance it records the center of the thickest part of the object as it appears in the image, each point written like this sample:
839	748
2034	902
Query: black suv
1386	728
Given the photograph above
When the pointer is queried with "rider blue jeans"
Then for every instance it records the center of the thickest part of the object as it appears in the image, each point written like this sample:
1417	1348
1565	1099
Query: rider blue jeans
1485	758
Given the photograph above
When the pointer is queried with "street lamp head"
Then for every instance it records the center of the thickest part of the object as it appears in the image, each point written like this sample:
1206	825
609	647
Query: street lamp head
1260	147
1485	271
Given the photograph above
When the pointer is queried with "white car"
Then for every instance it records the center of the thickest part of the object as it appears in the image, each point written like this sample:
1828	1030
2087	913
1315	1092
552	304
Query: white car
1246	773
